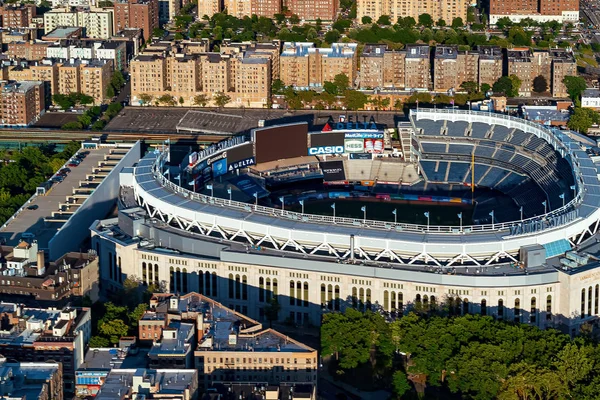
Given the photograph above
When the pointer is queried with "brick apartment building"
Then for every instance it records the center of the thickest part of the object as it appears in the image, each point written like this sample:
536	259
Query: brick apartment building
21	103
15	16
417	67
491	64
142	14
33	50
310	10
412	8
542	10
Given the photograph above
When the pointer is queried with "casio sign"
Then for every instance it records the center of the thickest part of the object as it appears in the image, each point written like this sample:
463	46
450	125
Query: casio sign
313	151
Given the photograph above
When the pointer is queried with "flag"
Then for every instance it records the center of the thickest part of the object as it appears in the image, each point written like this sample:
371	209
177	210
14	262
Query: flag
255	195
363	208
573	187
544	203
228	190
459	215
426	213
301	202
333	206
209	187
394	212
562	196
281	199
492	214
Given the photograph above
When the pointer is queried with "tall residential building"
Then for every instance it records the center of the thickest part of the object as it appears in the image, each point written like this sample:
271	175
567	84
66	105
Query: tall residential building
252	82
216	73
45	71
270	50
412	8
563	64
32	50
167	10
417	68
541	11
98	23
142	14
372	66
265	8
209	7
148	74
452	67
521	64
21	103
15	16
310	10
491	64
183	75
305	66
238	8
95	78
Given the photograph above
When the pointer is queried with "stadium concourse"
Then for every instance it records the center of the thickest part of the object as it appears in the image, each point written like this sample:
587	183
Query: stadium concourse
220	221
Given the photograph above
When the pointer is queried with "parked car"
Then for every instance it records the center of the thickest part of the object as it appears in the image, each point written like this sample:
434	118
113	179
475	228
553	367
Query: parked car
33	207
73	164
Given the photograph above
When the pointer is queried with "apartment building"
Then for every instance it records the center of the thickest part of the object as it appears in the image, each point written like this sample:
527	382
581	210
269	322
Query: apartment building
305	66
521	64
491	64
113	50
412	8
15	16
21	104
216	73
95	78
372	66
40	334
31	380
97	23
417	67
209	8
563	64
36	281
183	75
32	50
148	75
265	8
69	78
238	8
142	14
167	10
540	11
45	71
310	10
453	67
270	50
131	384
528	64
252	82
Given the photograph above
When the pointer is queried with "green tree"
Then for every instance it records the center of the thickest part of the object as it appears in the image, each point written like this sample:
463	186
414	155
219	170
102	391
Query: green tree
366	20
332	36
146	98
516	85
98	342
355	100
201	100
221	99
117	80
575	85
504	85
471	14
485	87
113	330
441	23
384	20
400	384
341	82
425	20
63	101
504	22
294	19
181	100
457	23
277	86
135	315
167	100
110	91
272	310
157	32
71	126
540	85
580	120
469	87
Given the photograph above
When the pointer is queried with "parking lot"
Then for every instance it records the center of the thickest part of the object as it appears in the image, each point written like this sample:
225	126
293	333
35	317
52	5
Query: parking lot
33	221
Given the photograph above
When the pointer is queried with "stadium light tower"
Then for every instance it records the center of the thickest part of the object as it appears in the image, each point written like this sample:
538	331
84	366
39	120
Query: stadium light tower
545	204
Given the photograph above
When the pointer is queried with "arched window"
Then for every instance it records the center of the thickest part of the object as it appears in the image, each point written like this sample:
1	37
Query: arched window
432	303
368	299
337	298
425	301
185	280
214	284
386	300
400	302
354	297
261	289
172	279
517	310
305	294
244	287
483	307
268	287
465	309
393	304
144	274
582	303
323	295
120	271
156	280
549	307
418	298
238	287
292	293
178	279
500	308
298	293
201	282
231	283
533	310
330	297
150	278
275	287
207	283
589	307
361	298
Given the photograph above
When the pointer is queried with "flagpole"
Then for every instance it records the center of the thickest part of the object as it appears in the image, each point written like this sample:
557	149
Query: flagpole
395	212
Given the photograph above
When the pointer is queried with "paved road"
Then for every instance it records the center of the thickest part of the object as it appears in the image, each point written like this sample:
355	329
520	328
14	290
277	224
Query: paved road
124	94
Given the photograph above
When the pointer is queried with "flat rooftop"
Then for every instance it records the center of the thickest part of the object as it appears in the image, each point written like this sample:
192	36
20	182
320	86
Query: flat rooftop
110	358
40	222
169	381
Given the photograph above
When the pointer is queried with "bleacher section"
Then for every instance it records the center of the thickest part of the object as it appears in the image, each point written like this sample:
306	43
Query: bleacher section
509	160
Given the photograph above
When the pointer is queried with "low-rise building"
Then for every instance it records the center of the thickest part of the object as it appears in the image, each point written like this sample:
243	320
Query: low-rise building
37	334
563	64
32	50
591	98
130	384
31	380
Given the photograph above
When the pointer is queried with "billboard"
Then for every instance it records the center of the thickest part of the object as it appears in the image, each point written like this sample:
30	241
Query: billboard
354	145
333	171
192	158
238	153
374	146
364	135
326	139
313	151
219	167
233	166
360	156
280	142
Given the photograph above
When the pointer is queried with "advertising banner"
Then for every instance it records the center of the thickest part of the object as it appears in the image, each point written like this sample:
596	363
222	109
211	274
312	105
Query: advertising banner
333	171
364	135
354	146
313	151
374	146
360	156
219	167
192	158
241	164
